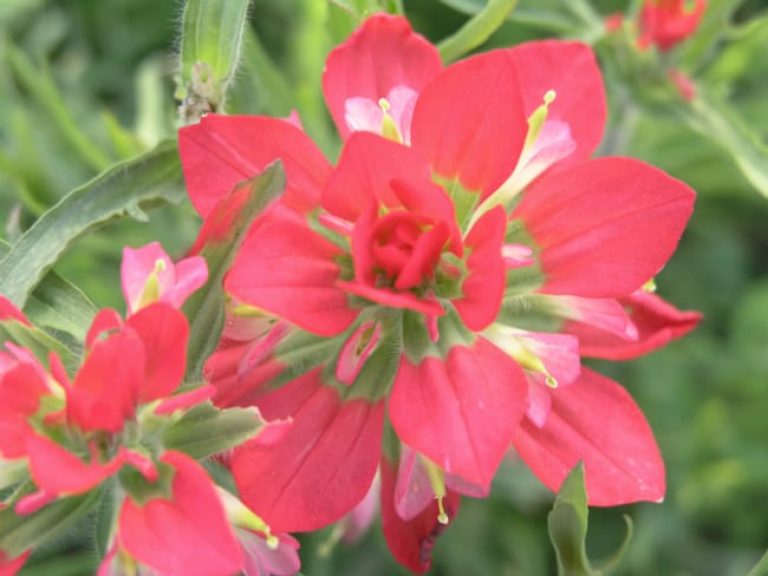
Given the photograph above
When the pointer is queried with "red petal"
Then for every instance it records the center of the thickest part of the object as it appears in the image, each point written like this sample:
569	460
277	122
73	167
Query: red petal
484	287
55	470
657	322
461	411
386	297
289	270
570	69
382	56
595	421
186	535
411	542
10	566
163	330
320	469
470	123
8	311
366	169
222	151
105	391
605	226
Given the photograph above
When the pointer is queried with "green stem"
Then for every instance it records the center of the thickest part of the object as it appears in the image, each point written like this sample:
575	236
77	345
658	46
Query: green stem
477	30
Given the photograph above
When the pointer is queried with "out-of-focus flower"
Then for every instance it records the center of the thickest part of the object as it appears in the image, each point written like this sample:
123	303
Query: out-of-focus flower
666	23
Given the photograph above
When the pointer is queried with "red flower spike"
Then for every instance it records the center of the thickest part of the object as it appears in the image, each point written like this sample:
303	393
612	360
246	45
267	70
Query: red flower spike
484	286
149	275
604	226
469	121
571	71
657	323
411	541
105	391
666	23
222	151
163	330
383	59
289	270
462	410
595	421
189	534
320	468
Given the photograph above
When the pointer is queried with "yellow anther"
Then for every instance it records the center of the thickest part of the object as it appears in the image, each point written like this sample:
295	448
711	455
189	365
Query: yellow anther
539	116
437	482
389	127
151	291
650	286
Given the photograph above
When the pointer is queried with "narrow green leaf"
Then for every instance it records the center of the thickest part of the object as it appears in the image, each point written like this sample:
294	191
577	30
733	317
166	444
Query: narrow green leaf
211	42
762	567
206	430
568	526
155	176
20	533
477	30
568	523
715	120
38	342
57	303
206	308
42	88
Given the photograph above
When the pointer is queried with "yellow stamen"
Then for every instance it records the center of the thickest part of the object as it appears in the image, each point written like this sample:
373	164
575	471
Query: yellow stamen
650	286
437	481
389	127
151	291
538	118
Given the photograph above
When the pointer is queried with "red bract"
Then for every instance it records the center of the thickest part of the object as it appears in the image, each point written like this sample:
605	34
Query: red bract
666	23
464	201
186	533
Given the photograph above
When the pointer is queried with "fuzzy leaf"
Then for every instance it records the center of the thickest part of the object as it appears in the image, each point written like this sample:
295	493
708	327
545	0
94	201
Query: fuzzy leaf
211	42
20	533
205	309
119	191
206	430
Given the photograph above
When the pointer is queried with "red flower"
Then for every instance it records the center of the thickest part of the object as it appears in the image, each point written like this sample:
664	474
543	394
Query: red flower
461	195
186	533
10	566
666	23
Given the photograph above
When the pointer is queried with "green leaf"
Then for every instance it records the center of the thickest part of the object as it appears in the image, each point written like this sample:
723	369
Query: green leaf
572	18
121	190
206	308
477	30
568	523
57	303
206	430
38	342
713	119
762	567
20	533
41	87
211	41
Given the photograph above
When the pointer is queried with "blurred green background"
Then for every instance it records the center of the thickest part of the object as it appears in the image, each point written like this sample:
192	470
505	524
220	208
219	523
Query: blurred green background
84	83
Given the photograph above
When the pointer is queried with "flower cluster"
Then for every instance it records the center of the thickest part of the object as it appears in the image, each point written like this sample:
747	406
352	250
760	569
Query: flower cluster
421	308
116	427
